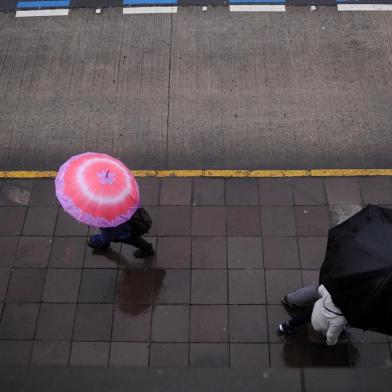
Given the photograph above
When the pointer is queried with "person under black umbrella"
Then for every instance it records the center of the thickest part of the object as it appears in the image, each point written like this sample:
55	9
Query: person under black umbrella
357	269
325	316
356	275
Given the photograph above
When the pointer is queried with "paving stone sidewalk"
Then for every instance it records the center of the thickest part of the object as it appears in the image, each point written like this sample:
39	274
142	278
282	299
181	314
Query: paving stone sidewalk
227	250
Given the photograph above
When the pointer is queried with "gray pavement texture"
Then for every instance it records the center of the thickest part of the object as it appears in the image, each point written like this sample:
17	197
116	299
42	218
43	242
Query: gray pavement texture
227	250
197	89
116	380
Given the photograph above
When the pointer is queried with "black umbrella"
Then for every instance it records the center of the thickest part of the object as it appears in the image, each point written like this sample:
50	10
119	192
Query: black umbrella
357	270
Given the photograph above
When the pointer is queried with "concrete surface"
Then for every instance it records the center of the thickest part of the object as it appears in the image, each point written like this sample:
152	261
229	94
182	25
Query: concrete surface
197	89
79	379
114	380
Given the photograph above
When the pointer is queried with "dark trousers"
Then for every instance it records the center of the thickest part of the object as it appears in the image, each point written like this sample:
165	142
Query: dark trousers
138	242
302	319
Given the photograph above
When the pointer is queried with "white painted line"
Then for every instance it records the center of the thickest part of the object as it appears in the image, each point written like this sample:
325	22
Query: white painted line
150	10
258	8
53	12
364	7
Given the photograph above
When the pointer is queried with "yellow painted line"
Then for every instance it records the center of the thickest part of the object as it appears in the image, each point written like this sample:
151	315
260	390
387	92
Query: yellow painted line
223	173
256	173
168	173
350	172
27	174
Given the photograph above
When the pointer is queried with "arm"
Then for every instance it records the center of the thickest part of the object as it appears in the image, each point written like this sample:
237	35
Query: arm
333	334
322	290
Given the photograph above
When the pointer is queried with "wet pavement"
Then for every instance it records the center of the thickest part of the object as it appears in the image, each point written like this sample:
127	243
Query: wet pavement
227	250
198	90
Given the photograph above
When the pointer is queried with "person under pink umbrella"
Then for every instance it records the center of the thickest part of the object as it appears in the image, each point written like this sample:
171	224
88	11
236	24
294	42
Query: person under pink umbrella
100	191
129	232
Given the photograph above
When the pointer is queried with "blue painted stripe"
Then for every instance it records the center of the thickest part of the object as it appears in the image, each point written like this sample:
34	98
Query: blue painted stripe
42	4
257	1
149	2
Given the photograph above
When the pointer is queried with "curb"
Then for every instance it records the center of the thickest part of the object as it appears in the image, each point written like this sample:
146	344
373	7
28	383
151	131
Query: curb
16	174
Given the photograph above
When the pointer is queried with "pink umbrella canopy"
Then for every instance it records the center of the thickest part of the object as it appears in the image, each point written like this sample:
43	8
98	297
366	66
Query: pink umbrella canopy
97	189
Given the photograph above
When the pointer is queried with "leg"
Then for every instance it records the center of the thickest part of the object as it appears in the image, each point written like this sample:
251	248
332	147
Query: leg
297	321
102	241
98	242
305	296
145	249
301	319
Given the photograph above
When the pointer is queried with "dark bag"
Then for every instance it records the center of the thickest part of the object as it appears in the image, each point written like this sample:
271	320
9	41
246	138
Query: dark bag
140	222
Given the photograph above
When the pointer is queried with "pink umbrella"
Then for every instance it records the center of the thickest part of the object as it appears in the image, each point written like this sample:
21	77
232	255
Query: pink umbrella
97	189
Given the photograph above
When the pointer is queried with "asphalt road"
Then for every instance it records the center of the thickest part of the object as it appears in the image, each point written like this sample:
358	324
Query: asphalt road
197	89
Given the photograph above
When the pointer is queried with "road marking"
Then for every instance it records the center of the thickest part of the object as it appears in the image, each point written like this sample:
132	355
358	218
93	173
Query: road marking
257	2
52	12
223	173
150	10
149	2
364	7
350	172
42	4
257	8
27	174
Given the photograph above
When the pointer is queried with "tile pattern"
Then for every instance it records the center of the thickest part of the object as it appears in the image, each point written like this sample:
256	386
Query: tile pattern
227	250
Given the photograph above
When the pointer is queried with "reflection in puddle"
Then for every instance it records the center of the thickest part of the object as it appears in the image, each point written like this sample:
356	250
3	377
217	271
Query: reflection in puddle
319	355
139	287
295	355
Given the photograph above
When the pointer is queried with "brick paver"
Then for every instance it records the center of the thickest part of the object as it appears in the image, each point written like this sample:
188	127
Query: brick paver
227	250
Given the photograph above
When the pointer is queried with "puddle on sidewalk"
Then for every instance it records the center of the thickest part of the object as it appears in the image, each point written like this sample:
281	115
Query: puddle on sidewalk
139	287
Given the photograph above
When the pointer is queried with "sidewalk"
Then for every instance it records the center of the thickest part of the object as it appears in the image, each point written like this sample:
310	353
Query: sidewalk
227	250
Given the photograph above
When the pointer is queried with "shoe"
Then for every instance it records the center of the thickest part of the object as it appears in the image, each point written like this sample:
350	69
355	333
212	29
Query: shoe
139	254
285	330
